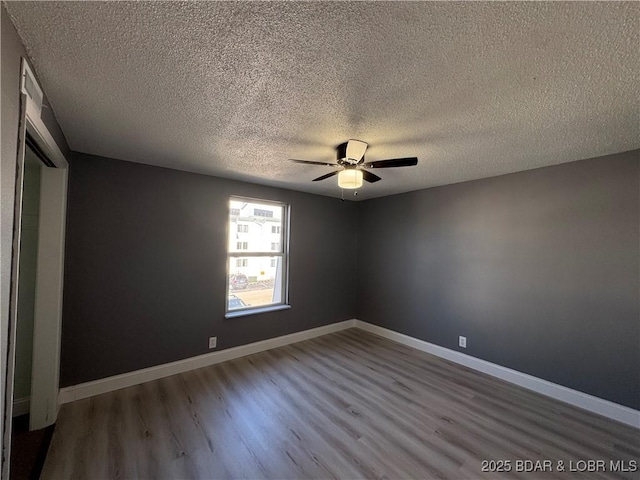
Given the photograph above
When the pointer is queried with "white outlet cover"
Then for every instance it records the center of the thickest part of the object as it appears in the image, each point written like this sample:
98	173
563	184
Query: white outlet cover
213	342
462	341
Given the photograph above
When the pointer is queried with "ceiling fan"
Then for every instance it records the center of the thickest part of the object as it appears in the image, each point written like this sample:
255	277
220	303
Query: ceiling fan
352	168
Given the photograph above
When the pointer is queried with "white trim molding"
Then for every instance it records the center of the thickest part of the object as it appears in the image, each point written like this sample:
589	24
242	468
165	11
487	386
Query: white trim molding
109	384
608	409
47	317
578	399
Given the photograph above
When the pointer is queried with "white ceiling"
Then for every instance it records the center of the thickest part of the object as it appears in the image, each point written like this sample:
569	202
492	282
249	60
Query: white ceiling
235	89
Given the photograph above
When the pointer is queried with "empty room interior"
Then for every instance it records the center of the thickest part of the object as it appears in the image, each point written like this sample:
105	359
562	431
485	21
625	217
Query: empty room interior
291	240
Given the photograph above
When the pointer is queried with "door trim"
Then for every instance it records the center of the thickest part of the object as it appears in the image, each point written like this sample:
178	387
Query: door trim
44	402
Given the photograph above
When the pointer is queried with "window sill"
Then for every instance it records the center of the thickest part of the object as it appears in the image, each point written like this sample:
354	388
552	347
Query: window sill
255	311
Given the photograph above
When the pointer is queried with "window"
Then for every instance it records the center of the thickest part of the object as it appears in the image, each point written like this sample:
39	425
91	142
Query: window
257	267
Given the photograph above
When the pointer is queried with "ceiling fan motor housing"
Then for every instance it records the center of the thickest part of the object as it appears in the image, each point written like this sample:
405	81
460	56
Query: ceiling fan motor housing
342	156
341	151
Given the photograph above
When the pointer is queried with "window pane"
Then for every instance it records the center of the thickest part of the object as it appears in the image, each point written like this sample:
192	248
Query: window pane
255	227
257	282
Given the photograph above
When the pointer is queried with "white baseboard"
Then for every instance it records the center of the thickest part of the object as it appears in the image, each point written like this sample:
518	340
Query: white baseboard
21	406
109	384
582	400
608	409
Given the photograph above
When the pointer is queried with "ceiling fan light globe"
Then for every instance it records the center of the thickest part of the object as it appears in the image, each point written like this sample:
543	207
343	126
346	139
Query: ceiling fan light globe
350	178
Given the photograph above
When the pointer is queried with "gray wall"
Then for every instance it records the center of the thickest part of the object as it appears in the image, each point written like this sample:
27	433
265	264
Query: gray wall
12	49
538	269
145	267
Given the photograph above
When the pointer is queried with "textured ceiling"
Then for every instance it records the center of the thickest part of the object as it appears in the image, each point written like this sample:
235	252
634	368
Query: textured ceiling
235	89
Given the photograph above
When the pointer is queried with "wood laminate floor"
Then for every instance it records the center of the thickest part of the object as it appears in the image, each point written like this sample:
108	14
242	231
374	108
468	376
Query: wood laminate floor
345	405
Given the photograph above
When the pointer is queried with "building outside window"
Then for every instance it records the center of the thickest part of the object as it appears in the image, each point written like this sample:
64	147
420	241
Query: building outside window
262	212
258	263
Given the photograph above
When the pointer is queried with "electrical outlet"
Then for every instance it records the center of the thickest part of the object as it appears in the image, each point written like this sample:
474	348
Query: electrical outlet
462	341
213	342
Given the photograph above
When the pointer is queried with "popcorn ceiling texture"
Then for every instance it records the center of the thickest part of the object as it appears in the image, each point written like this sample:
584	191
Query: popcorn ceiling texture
235	89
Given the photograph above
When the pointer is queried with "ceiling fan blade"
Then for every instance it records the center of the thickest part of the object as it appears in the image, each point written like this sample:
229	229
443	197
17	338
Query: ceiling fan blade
356	149
370	177
394	162
326	176
309	162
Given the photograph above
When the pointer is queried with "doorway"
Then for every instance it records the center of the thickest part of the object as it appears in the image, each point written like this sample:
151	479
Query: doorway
27	283
25	444
26	456
35	303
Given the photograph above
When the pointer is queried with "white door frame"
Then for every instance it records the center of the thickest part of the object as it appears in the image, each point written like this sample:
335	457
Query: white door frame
49	277
47	318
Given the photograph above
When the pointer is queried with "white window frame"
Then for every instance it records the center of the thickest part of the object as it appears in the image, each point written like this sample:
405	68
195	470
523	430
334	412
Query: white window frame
283	253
